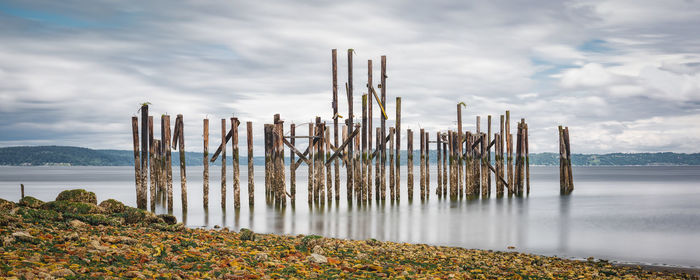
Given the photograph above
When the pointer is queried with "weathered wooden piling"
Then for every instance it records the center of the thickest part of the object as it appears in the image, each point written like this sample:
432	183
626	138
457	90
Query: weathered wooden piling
469	179
409	163
236	164
158	170
21	188
180	141
488	152
509	151
427	165
329	175
334	58
566	183
357	166
392	171
251	171
349	159
350	125
267	144
398	148
422	164
151	165
438	191
485	191
450	167
459	152
168	160
499	167
320	175
141	195
383	127
223	163
312	160
527	158
365	156
500	161
279	149
292	164
137	160
205	164
370	153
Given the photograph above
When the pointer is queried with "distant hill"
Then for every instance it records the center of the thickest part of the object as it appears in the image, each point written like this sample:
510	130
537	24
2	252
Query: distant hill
76	156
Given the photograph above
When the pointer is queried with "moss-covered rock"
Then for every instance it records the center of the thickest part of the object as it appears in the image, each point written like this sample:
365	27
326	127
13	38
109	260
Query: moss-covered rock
72	207
77	195
133	215
112	206
31	202
168	219
96	219
247	234
34	215
6	204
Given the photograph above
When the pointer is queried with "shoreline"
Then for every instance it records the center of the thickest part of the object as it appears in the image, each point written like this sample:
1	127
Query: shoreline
75	236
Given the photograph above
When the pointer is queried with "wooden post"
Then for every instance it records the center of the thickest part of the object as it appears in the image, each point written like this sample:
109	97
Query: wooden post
450	146
158	168
292	164
137	163
460	152
141	194
383	126
349	159
151	164
329	175
377	171
266	145
223	163
236	164
350	126
439	165
484	167
251	172
500	152
205	164
365	156
392	178
497	148
527	158
279	148
422	164
427	165
334	58
168	161
488	153
357	166
369	131
569	173
444	167
518	163
409	163
509	150
319	163
398	148
312	166
21	187
183	174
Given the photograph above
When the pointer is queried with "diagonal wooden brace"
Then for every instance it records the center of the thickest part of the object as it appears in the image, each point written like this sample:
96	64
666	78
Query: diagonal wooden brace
347	141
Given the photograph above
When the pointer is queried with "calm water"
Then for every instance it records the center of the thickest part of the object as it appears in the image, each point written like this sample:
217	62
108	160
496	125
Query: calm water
629	214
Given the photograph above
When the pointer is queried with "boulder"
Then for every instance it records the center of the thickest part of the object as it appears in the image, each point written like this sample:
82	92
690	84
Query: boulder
6	204
31	202
77	224
168	219
133	215
112	206
77	195
72	207
247	234
317	258
23	236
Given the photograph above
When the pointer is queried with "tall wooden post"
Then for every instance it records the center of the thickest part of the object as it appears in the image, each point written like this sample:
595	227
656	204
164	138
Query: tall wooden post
350	125
223	163
469	180
236	164
151	164
459	152
527	158
439	165
488	153
312	166
320	161
392	178
329	179
137	163
168	161
509	150
398	148
183	174
500	152
569	173
484	167
365	156
377	171
383	126
348	162
205	164
251	171
422	164
292	166
453	185
444	166
357	166
409	163
141	195
369	131
266	145
279	148
427	165
334	58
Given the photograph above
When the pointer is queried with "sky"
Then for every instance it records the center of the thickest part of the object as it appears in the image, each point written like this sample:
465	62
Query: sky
624	76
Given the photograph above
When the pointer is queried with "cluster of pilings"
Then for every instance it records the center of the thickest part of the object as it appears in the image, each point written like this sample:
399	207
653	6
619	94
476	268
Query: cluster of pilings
566	180
468	162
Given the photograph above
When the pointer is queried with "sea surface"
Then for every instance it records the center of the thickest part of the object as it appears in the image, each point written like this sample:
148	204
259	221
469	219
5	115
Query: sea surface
635	214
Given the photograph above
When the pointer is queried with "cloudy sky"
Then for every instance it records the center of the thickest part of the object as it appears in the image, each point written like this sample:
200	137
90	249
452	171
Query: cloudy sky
623	75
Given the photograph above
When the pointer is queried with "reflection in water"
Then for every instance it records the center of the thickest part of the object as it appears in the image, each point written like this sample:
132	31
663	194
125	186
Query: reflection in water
605	221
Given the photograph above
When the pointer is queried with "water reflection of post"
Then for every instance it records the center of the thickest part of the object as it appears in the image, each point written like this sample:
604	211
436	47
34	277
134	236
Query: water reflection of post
521	229
206	217
564	205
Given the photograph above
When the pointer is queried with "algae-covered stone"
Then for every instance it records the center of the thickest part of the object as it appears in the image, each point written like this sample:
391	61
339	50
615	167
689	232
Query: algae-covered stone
168	219
112	206
6	205
31	202
72	207
77	195
133	215
247	234
34	215
96	219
